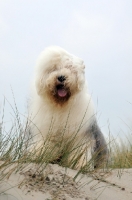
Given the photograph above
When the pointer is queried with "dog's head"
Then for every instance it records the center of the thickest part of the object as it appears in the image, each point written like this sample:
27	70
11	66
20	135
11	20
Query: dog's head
59	75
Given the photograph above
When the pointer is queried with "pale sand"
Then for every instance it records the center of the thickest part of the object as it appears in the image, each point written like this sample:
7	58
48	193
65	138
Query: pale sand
56	183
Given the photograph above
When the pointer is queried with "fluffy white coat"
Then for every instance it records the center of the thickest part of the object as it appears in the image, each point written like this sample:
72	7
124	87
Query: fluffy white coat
78	109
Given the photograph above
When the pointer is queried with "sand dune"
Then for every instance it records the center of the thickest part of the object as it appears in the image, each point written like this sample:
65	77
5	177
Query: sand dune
56	183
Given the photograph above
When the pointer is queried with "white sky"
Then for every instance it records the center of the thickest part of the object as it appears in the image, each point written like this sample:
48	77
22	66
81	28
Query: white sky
100	32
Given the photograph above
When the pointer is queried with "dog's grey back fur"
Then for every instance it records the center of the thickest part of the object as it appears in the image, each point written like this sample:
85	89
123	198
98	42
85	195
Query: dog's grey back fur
100	150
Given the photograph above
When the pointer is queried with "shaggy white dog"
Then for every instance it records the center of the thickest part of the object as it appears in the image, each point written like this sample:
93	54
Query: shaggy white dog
61	103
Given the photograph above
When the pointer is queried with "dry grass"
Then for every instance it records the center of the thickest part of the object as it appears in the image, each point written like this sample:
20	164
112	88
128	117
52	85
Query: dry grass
121	153
15	145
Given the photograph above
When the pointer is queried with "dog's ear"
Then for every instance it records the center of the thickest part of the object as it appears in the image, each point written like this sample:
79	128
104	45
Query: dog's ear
83	66
39	86
81	82
81	85
80	76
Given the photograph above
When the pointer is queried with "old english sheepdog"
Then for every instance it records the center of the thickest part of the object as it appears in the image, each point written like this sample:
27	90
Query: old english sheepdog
61	105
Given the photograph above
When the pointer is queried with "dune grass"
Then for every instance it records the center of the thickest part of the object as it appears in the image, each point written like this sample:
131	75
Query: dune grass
16	145
121	153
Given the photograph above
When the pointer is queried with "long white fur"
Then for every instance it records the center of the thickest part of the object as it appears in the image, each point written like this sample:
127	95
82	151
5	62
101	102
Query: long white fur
78	112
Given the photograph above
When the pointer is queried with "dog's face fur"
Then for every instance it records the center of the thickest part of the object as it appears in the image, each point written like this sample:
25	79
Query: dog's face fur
60	75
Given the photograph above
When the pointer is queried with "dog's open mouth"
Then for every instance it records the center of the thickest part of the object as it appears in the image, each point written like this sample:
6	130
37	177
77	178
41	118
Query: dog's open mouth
61	91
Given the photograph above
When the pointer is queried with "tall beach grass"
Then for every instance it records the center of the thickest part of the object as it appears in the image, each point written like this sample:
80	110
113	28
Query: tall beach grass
16	145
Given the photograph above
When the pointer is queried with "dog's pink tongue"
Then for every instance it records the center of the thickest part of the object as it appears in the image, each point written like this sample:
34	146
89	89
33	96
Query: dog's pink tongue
62	92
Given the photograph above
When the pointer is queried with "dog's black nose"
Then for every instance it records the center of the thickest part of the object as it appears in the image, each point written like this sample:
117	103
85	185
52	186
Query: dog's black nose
61	78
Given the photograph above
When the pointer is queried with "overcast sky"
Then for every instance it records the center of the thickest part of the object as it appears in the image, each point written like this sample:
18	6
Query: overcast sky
100	32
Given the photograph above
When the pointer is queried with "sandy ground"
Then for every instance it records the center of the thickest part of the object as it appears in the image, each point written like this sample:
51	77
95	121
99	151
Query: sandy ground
56	183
